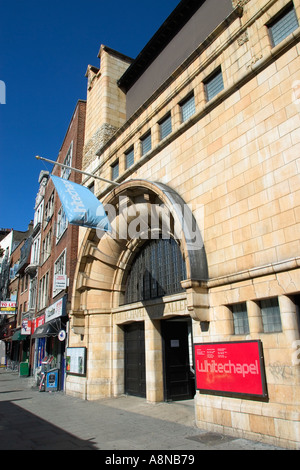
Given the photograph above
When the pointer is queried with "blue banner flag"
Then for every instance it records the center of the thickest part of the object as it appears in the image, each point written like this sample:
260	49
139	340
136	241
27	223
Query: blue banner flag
80	205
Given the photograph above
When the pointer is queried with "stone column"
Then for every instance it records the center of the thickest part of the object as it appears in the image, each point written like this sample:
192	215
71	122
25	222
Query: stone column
254	316
289	321
154	361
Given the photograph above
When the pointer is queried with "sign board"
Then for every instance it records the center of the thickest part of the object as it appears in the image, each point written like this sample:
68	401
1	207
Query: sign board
76	361
7	306
62	335
52	380
36	322
233	368
26	327
56	310
60	282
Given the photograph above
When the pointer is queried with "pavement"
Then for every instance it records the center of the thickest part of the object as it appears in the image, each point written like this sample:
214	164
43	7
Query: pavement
33	420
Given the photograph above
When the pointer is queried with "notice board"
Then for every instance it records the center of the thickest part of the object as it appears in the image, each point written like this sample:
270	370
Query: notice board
76	361
231	368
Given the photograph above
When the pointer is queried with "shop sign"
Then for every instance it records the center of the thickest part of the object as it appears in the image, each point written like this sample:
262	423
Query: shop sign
62	335
36	322
234	368
58	309
60	282
26	327
7	306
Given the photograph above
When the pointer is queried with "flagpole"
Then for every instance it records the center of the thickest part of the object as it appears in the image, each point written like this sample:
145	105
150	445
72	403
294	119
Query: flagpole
78	171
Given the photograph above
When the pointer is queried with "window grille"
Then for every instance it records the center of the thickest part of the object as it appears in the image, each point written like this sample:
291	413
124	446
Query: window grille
66	172
129	158
165	127
156	271
146	144
240	319
214	85
283	26
271	315
188	108
115	170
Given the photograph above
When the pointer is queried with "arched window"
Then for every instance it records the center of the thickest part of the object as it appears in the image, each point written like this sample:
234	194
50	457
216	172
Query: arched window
156	271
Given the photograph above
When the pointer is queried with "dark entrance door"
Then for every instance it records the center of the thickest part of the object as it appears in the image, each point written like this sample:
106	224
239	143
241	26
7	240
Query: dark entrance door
179	377
135	367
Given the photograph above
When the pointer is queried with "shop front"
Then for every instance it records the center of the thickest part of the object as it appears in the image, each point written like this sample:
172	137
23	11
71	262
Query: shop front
49	341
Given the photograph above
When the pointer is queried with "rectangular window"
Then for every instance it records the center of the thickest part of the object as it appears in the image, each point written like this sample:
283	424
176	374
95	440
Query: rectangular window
146	144
283	25
271	315
65	172
115	170
35	251
214	84
165	127
43	291
59	268
240	319
129	158
62	223
188	108
49	208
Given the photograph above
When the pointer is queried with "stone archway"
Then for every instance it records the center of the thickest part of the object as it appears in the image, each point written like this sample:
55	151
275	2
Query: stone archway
140	210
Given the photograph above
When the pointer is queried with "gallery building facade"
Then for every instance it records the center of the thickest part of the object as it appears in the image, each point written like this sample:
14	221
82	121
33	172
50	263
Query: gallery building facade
201	135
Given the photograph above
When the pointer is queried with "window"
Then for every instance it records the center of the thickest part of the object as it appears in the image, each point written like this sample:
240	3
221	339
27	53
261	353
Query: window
59	268
188	108
115	170
65	172
146	144
165	127
49	209
156	271
214	84
46	250
240	319
129	158
43	291
271	315
62	223
32	293
38	215
35	251
283	25
92	187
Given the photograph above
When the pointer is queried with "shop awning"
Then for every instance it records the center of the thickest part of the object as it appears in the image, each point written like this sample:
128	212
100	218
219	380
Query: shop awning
18	337
52	328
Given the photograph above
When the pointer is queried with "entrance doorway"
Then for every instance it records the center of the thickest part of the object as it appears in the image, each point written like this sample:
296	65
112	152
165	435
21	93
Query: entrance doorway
135	366
179	377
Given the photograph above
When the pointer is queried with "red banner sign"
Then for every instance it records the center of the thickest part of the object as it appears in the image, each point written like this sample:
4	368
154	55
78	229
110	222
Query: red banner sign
235	368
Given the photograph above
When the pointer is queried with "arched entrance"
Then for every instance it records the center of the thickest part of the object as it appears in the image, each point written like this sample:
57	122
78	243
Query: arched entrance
152	224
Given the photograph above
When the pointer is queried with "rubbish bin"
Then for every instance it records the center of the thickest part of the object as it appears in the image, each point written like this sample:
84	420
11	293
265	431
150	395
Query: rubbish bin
52	380
24	369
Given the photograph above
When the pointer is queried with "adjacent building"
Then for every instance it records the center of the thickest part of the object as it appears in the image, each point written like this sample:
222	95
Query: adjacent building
13	282
195	293
54	254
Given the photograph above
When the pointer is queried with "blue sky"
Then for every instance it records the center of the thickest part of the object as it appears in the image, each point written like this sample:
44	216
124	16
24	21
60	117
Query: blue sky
46	47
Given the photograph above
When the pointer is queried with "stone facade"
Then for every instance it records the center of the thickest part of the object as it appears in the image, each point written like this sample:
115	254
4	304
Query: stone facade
235	163
105	101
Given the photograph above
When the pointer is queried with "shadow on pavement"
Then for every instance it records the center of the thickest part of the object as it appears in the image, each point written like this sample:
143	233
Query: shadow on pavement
22	430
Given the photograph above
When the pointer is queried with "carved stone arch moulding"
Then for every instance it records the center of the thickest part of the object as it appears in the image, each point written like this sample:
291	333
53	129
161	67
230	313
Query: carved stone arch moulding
148	210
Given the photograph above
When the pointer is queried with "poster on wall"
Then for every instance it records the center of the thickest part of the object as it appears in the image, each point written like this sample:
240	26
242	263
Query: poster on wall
76	361
231	368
